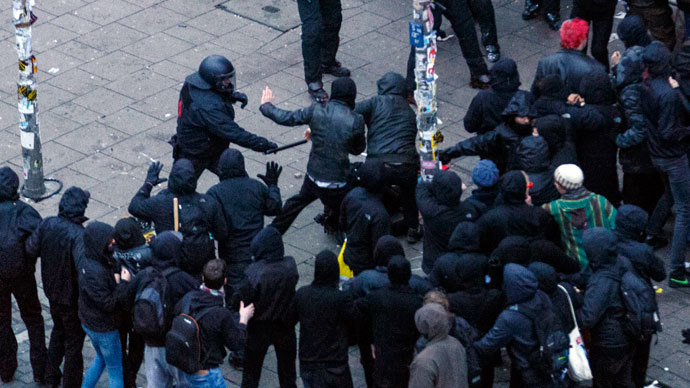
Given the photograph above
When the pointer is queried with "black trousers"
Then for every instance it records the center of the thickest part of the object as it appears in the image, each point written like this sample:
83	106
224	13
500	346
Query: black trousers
132	353
367	361
643	189
337	377
66	341
310	192
210	164
261	335
25	292
611	367
601	25
404	175
483	13
321	20
640	362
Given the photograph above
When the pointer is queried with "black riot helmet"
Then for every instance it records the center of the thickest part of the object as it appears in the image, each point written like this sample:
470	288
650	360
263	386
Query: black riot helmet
218	72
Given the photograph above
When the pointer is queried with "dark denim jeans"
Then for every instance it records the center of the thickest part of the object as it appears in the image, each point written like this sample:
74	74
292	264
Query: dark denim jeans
678	174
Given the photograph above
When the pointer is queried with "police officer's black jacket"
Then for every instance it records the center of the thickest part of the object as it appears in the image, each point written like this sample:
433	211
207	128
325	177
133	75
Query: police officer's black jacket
56	241
336	131
244	202
391	123
206	124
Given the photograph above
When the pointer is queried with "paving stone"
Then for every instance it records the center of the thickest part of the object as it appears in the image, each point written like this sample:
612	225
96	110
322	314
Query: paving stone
74	23
162	105
55	156
48	35
91	138
59	7
141	84
191	8
77	81
153	19
81	51
116	65
112	37
106	11
101	167
104	101
157	47
130	121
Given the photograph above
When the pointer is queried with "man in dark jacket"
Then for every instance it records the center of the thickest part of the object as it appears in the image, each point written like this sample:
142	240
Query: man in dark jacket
243	202
485	177
326	317
570	64
555	130
599	14
55	241
391	136
206	119
269	284
441	209
17	221
484	112
668	146
603	311
498	144
335	131
533	158
160	208
463	244
550	96
390	311
364	218
131	250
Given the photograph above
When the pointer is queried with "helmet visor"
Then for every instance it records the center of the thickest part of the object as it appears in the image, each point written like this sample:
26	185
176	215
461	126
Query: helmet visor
227	82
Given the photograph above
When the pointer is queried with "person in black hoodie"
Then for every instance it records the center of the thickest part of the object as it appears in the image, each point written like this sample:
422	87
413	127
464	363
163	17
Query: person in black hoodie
463	244
160	209
533	158
498	144
326	317
610	351
55	241
554	129
549	283
441	209
218	327
484	112
335	131
391	136
364	218
244	202
390	313
547	252
18	221
550	97
100	294
269	284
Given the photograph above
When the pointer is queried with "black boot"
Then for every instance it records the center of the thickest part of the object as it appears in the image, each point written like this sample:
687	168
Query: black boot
493	54
335	69
531	9
317	92
553	20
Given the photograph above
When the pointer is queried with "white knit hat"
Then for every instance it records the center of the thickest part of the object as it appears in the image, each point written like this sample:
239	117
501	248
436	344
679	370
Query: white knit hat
569	176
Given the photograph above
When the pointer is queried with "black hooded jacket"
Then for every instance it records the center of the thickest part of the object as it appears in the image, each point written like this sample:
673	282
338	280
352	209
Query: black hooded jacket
181	184
484	112
270	280
131	250
462	245
550	97
555	130
630	229
440	206
548	283
533	158
570	65
23	220
244	202
391	123
57	242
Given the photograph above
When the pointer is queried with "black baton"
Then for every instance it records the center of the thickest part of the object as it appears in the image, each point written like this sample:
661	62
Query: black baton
295	144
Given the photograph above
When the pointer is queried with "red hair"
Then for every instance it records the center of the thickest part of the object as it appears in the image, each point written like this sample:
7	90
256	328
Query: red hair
573	32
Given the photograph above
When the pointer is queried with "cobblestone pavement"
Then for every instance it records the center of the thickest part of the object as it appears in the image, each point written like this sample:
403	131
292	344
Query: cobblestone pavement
110	73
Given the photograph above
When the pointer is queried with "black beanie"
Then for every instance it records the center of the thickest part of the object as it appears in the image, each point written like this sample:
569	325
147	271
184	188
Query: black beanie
399	271
345	90
326	269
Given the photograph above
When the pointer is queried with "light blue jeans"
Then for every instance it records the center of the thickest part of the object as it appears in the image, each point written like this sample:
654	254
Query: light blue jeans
108	355
159	374
214	379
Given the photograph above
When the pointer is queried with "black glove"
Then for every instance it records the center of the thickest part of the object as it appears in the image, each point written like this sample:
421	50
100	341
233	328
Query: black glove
152	175
686	336
268	146
241	97
273	171
444	157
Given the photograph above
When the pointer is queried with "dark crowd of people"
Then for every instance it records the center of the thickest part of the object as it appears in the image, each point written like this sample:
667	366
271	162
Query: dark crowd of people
547	243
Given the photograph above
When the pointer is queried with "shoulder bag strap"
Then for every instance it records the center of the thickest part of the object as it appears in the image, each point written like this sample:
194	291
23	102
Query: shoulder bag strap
570	303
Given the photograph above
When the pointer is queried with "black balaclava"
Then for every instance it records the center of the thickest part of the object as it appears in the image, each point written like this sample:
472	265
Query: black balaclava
345	90
326	269
73	205
9	184
387	247
97	237
596	89
167	249
128	234
633	32
505	76
513	187
182	179
399	271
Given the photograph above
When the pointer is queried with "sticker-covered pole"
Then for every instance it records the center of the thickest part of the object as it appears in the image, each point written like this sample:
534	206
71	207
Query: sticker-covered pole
23	18
423	39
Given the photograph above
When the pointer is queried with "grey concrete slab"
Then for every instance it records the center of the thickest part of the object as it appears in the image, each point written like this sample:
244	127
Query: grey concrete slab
277	14
115	65
153	19
106	11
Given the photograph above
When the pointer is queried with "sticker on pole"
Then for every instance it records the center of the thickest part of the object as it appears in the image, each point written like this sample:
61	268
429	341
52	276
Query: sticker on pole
27	139
416	34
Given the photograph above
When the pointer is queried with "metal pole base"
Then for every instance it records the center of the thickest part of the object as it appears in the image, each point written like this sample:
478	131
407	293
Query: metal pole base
53	187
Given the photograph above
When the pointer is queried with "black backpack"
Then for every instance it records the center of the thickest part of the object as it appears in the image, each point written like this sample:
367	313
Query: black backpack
197	242
11	243
152	312
183	341
468	335
641	318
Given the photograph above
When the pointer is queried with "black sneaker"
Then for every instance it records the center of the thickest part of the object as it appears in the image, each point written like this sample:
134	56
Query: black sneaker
336	69
317	92
531	9
553	20
442	36
656	242
678	282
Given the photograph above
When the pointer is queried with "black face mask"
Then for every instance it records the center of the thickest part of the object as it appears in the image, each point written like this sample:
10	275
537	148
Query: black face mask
522	129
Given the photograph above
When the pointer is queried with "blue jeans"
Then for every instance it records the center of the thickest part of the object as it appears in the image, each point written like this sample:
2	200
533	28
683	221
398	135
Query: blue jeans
678	174
158	373
214	379
108	354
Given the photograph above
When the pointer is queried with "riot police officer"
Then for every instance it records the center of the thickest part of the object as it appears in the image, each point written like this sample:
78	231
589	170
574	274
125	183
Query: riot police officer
206	118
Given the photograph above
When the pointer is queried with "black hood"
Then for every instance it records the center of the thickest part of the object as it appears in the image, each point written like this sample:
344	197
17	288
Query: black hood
387	247
73	205
344	89
128	234
231	164
446	187
9	184
182	179
552	129
267	245
633	32
392	83
533	154
630	69
547	252
546	276
399	271
97	236
326	269
657	60
681	63
519	284
167	249
519	105
631	222
600	247
368	175
551	86
513	187
469	271
505	76
465	238
512	249
596	89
